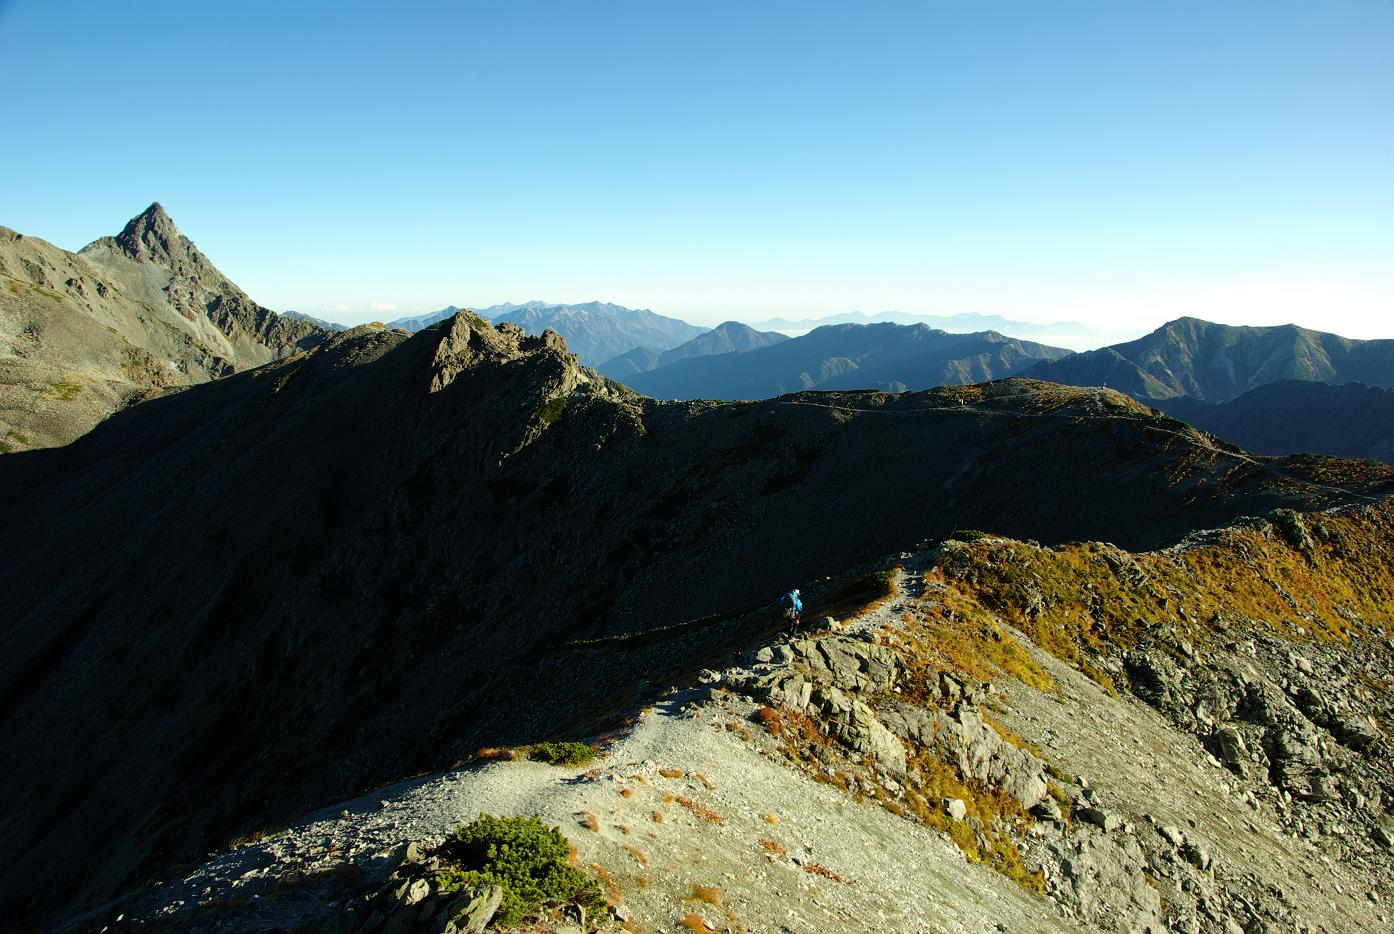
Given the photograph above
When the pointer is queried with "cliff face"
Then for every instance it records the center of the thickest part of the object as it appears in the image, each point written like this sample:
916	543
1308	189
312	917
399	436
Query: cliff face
83	335
295	582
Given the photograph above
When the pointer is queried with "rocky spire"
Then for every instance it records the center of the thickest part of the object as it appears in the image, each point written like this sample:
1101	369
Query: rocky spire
152	236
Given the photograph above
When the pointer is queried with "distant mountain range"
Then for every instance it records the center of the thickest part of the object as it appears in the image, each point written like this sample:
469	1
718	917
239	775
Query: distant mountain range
890	357
317	322
85	334
1065	332
730	337
595	331
599	331
1218	362
1275	390
419	322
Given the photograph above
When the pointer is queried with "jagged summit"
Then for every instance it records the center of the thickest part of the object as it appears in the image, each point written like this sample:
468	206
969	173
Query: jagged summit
151	237
150	234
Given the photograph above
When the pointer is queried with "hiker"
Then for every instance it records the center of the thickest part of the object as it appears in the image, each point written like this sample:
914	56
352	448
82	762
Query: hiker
793	610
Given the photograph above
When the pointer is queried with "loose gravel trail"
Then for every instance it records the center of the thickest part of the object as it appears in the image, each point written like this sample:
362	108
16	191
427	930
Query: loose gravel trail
680	801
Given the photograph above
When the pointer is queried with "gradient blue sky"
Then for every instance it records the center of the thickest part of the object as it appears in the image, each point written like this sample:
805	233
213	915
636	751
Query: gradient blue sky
1118	163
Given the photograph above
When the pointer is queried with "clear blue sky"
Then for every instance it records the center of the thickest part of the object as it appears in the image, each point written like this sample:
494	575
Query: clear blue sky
1119	163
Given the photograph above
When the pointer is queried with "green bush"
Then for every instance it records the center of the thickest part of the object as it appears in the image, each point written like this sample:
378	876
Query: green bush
967	535
559	753
551	410
530	861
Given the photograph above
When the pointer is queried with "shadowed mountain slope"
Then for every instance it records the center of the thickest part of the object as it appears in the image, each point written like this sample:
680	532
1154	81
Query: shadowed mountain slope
85	334
1352	420
1217	362
889	357
293	583
730	337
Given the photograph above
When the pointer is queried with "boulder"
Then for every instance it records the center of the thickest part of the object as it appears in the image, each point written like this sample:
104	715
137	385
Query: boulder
1357	731
471	911
850	664
855	725
957	809
1154	677
1048	809
1229	745
779	689
1197	855
1104	820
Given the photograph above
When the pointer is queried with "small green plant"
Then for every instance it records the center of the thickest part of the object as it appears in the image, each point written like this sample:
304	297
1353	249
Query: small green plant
551	410
529	860
5	448
569	754
967	535
63	390
281	383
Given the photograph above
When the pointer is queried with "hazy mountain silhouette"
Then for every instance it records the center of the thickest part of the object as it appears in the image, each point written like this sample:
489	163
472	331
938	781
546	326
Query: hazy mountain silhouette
889	357
317	322
730	337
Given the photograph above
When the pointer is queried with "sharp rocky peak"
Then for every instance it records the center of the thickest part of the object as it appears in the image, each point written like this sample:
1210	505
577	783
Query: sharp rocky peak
152	235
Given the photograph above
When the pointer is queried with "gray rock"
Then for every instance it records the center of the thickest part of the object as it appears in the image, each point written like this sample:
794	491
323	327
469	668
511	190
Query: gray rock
416	891
471	911
1197	855
849	663
1048	809
855	725
1104	820
1357	731
778	689
402	920
957	809
1232	751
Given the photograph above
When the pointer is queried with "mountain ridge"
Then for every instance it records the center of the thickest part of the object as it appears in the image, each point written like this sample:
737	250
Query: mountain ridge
435	494
886	356
727	337
1217	362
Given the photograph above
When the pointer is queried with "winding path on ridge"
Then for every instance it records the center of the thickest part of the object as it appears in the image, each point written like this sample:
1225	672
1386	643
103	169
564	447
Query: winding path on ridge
1199	442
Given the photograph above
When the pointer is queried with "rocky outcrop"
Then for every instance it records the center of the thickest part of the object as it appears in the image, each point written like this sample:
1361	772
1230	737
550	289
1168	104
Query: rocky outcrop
411	901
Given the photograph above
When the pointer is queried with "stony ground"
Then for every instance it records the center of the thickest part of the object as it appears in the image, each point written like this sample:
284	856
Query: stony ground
835	782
